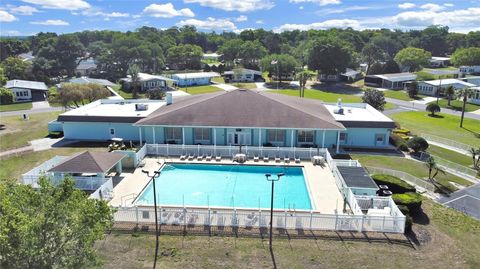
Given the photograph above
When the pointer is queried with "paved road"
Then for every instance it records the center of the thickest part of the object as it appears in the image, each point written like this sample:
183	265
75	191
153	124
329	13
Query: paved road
406	106
466	201
31	111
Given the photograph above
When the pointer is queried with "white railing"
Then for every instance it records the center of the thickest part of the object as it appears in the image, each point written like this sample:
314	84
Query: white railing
104	192
447	142
229	151
456	167
83	183
417	182
259	219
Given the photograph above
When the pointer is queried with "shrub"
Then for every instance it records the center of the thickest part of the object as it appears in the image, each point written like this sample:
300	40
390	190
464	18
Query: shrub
402	131
395	184
433	108
399	142
410	199
6	96
417	144
55	134
156	94
375	98
404	209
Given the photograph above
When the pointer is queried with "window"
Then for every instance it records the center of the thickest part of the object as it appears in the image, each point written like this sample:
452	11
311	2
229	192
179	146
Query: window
112	131
276	135
25	93
17	94
380	138
305	137
202	134
173	133
343	137
145	214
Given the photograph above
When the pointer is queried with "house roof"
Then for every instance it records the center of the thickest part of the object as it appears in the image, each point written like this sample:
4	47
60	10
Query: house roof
350	72
147	77
397	76
196	75
89	162
86	64
243	70
26	84
448	81
244	108
357	177
86	80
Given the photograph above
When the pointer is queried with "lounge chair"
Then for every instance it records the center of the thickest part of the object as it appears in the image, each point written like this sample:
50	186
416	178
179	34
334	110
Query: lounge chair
286	159
251	220
183	157
191	157
178	218
200	157
256	159
266	159
297	159
165	217
208	158
192	220
277	159
218	158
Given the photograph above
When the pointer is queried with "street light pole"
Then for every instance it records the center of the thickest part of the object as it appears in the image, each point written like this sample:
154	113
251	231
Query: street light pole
267	176
155	174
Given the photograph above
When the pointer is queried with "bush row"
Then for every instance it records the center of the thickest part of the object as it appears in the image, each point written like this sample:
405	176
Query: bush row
395	184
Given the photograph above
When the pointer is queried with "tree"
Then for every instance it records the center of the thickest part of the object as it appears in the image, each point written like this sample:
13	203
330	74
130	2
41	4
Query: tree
250	52
413	58
433	108
51	227
374	98
70	93
15	68
93	92
12	47
3	77
231	49
391	67
466	56
185	56
329	55
133	71
412	89
302	77
434	39
282	65
68	50
450	93
433	169
464	94
387	44
156	94
372	54
375	69
6	96
417	144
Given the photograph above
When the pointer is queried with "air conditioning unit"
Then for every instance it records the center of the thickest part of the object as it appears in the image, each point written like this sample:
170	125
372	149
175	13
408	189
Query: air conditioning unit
141	107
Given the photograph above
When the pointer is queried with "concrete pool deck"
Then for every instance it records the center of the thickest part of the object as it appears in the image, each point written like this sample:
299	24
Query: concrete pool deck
324	194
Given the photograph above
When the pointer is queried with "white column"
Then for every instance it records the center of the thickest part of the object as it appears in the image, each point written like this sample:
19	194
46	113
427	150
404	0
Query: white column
153	133
183	135
292	137
215	136
259	137
338	141
140	135
323	139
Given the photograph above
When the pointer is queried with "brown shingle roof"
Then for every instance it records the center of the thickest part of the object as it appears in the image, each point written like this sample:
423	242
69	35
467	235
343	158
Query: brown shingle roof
89	162
244	108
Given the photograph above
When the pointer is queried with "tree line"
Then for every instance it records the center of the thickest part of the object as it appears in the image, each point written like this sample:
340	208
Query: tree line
154	50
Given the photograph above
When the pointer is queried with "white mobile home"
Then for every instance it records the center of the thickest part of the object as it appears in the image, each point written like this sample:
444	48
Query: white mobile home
431	87
243	75
390	81
472	69
439	62
25	90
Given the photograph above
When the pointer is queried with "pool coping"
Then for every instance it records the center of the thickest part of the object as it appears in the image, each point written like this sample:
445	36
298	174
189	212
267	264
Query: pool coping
307	185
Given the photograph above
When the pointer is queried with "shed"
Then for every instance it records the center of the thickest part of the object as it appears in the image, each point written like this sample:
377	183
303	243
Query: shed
358	180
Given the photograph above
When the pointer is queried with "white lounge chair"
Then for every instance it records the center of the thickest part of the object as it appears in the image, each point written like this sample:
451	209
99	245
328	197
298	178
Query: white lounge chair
277	159
208	158
297	159
286	159
218	158
200	157
266	159
256	159
183	157
191	157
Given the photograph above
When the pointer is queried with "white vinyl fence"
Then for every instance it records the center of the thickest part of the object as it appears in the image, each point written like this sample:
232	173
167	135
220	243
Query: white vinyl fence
447	142
417	182
259	219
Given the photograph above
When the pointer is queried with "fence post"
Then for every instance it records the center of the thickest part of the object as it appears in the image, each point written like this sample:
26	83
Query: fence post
136	214
285	224
311	218
361	224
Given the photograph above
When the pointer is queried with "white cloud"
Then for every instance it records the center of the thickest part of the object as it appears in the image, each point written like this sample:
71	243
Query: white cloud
448	4
117	15
259	22
456	19
51	22
210	24
91	12
345	23
241	18
60	4
23	10
6	17
318	2
11	33
167	11
234	5
406	5
432	7
300	7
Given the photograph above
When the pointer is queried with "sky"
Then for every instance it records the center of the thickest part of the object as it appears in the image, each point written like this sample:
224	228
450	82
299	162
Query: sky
28	17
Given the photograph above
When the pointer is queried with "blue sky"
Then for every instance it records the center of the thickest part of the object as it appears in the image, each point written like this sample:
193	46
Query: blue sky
27	17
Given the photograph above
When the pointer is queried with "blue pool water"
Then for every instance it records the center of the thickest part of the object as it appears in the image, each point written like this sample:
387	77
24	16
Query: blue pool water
227	186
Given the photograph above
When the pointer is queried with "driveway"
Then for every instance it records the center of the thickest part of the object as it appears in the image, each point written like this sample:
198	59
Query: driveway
225	87
466	201
40	105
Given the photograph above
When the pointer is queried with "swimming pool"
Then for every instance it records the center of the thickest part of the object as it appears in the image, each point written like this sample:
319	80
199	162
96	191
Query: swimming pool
239	186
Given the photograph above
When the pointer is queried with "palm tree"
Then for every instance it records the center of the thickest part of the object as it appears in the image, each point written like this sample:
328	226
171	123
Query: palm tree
450	93
303	76
464	94
133	71
433	169
475	157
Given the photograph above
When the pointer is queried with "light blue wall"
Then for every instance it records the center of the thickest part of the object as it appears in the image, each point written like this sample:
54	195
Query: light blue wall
181	81
99	131
365	137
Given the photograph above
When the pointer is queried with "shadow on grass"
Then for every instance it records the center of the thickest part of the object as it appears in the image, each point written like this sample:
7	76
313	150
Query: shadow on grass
337	88
436	116
477	135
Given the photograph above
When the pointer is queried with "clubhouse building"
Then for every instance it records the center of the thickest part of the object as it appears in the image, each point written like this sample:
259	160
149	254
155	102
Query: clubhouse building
239	117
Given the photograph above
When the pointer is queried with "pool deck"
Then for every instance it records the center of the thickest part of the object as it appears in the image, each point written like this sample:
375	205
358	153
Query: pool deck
325	196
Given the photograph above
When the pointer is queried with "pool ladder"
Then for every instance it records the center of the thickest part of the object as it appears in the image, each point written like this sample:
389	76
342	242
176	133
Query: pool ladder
124	199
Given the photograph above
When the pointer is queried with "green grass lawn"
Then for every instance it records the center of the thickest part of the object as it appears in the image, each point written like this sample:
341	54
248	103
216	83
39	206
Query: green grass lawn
16	106
446	126
457	105
401	95
19	131
328	97
412	167
449	155
449	239
389	106
200	89
218	79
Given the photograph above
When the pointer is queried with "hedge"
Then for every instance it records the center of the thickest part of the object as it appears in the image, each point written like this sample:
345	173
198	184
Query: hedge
395	184
410	199
399	142
402	131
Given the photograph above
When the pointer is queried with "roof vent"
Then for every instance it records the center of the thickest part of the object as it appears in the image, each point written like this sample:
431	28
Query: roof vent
339	102
141	107
338	110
